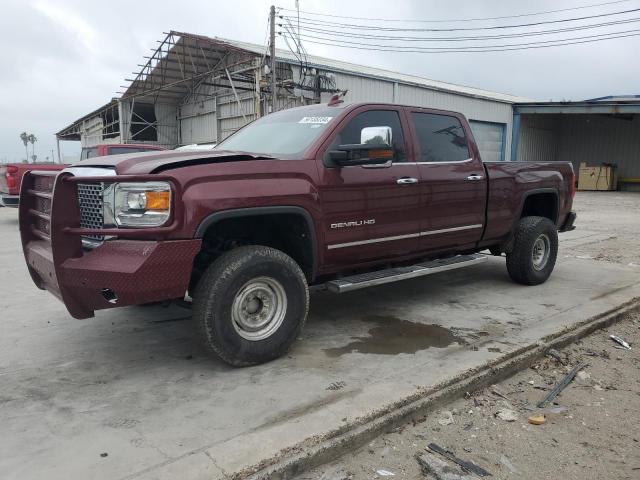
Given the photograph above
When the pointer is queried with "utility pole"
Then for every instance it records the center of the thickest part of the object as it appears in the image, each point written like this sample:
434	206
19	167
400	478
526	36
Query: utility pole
272	27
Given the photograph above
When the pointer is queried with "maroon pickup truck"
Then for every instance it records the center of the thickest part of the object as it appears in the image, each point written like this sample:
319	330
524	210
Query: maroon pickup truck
336	196
11	174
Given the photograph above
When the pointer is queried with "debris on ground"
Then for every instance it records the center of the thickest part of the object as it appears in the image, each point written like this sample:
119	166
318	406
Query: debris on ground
434	467
584	376
537	419
496	391
562	385
337	385
553	353
620	341
507	415
446	418
384	473
466	465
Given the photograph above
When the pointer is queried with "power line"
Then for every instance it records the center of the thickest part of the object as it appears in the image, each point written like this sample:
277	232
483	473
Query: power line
473	47
463	50
456	20
339	33
313	22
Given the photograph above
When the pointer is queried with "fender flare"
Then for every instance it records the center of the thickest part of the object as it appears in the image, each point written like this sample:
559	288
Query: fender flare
215	217
536	191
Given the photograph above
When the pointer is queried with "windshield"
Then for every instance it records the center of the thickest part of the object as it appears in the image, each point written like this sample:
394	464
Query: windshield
284	134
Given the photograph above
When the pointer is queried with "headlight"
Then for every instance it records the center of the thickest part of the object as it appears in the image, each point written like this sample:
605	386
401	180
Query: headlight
140	204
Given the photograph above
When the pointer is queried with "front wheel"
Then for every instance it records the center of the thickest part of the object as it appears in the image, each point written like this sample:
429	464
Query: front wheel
535	250
251	304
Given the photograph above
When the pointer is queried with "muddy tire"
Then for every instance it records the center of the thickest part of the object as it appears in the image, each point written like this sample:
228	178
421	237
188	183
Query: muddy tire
534	253
250	305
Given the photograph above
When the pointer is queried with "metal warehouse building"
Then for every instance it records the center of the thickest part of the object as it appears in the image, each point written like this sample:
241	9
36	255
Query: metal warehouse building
196	89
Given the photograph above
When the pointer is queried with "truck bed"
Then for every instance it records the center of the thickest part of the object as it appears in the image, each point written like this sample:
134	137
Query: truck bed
509	183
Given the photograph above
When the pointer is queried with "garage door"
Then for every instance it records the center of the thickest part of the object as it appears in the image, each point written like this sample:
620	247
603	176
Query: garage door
490	139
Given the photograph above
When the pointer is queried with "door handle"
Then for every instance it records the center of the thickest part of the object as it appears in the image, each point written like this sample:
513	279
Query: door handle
475	176
406	181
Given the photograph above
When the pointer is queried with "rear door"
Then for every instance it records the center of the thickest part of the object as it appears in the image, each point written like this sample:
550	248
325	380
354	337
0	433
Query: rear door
452	179
371	212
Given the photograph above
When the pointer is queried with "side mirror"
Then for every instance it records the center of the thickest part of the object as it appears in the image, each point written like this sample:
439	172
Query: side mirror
374	148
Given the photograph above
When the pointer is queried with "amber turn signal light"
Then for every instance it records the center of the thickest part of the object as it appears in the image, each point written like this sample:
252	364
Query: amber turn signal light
158	200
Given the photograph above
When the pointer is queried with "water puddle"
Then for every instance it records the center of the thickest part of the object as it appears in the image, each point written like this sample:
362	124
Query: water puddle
391	336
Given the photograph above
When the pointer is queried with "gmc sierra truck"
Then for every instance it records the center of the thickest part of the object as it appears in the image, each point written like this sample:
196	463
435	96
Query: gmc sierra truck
339	196
11	173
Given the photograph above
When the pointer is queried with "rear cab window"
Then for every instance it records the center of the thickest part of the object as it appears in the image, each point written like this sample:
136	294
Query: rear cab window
119	150
89	152
440	138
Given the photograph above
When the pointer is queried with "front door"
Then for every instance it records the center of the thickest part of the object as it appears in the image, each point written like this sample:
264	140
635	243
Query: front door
453	183
371	212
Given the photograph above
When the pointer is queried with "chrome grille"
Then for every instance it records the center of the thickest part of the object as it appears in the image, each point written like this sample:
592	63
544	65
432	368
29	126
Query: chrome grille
91	213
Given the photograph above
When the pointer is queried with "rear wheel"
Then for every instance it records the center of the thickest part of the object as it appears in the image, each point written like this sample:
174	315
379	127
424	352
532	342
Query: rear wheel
534	253
251	304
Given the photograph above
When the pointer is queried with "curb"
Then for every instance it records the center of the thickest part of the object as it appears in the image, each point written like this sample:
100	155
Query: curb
311	454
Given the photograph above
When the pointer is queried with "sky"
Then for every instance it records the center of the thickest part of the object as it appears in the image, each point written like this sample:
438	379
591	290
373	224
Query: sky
62	59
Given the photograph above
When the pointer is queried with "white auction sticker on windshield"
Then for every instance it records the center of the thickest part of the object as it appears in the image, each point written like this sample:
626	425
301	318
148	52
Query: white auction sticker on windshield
316	120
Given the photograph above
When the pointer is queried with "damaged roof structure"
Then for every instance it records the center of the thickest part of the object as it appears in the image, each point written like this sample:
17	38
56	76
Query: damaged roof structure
199	89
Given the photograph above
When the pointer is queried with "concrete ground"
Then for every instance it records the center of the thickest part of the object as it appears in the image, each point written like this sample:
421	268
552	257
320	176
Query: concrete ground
131	395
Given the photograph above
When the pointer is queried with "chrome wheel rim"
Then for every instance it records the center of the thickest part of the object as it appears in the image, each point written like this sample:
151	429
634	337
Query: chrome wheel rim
259	308
540	252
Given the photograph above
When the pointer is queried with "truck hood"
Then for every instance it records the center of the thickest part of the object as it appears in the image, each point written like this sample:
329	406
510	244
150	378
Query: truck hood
158	161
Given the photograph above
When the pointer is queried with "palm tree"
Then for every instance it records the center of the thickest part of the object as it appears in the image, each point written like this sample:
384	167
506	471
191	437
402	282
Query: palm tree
32	139
24	136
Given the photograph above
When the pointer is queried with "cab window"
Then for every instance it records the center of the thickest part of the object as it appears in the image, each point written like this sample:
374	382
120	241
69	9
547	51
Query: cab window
441	138
352	133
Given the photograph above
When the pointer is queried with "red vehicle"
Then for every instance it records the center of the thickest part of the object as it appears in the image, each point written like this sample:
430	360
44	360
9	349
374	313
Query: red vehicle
116	149
336	196
11	174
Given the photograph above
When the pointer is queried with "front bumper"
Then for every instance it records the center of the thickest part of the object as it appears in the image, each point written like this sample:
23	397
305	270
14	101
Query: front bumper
568	224
117	273
9	200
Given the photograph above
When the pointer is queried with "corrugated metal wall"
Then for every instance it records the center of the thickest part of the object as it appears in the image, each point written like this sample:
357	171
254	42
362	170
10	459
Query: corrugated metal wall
198	122
166	115
538	138
362	89
230	113
577	138
91	132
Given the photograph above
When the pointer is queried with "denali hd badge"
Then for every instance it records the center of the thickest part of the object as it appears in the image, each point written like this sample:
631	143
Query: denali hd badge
355	223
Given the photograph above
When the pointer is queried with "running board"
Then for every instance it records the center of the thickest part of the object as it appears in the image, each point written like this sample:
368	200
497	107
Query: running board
355	282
